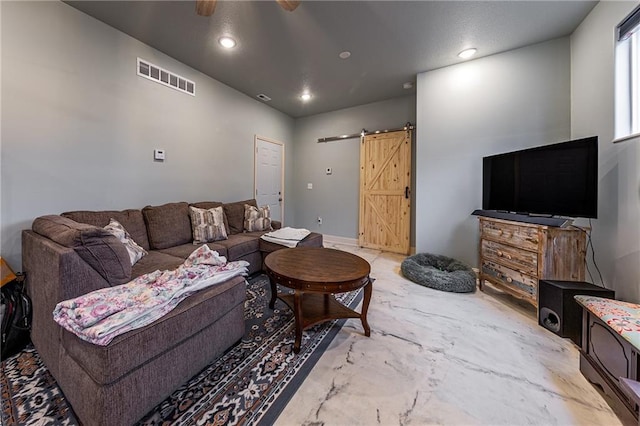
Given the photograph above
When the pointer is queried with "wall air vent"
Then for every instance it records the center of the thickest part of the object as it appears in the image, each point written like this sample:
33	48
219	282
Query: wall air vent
263	97
153	72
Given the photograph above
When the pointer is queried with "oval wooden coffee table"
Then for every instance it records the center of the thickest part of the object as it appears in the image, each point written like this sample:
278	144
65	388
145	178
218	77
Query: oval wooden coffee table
315	275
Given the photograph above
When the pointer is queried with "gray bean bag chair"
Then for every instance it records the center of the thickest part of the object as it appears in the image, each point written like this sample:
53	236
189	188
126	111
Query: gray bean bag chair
439	272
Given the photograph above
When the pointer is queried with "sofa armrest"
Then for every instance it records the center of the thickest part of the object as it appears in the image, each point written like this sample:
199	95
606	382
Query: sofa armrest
54	273
96	246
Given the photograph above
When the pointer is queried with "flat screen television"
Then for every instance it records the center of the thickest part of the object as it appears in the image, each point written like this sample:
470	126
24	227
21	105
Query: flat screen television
557	180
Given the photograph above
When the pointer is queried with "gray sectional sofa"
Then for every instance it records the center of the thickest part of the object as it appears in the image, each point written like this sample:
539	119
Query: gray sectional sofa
68	255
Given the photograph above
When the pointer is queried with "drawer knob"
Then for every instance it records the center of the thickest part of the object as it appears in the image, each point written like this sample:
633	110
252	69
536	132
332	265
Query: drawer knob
508	256
499	253
509	279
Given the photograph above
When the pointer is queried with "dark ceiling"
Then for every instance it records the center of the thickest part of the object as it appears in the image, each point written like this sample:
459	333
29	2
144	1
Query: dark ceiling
282	53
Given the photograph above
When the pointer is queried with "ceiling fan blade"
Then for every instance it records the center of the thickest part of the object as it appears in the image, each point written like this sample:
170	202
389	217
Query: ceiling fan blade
289	5
205	7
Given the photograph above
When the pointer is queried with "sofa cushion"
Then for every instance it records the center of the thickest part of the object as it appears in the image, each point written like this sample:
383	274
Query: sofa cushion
239	245
185	250
132	221
207	225
106	364
95	245
257	218
206	204
168	225
116	229
235	215
153	261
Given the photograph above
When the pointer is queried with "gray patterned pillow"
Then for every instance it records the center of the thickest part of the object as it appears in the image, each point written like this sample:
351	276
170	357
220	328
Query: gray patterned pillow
207	224
135	251
257	218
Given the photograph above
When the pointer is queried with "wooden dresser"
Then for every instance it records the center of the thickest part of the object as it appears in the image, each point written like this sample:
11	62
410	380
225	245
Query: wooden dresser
515	255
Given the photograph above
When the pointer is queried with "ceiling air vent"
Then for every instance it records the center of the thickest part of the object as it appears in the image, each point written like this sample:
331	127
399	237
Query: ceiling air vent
263	97
153	72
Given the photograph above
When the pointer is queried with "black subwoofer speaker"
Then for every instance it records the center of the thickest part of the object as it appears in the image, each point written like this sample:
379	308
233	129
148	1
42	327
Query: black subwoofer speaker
557	309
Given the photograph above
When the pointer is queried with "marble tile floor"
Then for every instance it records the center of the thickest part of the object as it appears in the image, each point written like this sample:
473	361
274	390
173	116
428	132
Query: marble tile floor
437	358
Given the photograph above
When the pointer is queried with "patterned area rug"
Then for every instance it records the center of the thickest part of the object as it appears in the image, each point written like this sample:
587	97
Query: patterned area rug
250	384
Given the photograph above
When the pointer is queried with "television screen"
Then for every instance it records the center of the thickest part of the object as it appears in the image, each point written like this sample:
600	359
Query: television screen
559	179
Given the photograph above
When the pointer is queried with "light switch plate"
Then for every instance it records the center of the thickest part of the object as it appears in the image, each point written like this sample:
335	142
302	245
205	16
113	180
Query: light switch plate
158	154
329	171
309	186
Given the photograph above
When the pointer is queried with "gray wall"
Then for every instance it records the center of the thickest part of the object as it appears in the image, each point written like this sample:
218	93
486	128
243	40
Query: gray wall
79	126
335	197
616	232
500	103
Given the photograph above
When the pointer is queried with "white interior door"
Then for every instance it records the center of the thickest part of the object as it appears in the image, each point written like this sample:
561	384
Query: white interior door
269	174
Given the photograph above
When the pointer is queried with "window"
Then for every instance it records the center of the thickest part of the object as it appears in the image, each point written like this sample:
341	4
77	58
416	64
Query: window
627	94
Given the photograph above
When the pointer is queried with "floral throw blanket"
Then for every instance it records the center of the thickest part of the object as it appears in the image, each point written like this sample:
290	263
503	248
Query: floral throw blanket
101	315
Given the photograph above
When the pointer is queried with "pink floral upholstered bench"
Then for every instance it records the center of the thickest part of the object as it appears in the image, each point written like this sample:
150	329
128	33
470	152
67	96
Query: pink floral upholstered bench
622	317
609	349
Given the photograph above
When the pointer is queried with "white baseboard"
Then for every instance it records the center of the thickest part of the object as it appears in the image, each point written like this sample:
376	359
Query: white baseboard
334	239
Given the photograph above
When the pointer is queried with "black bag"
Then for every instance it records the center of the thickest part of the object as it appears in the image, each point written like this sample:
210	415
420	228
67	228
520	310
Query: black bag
16	318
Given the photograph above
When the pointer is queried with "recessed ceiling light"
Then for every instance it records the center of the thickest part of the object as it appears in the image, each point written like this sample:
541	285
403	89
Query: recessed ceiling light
345	54
227	42
467	53
305	96
407	85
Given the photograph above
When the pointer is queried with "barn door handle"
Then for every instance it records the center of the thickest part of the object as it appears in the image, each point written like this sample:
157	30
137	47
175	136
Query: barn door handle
406	192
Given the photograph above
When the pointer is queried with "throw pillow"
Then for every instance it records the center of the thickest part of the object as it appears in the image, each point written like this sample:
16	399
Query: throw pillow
207	225
257	218
117	230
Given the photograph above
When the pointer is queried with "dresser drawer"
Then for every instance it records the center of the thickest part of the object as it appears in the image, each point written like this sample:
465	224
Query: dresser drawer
523	284
512	257
520	236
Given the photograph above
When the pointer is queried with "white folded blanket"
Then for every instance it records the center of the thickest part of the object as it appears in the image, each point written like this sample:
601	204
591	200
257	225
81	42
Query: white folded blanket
289	237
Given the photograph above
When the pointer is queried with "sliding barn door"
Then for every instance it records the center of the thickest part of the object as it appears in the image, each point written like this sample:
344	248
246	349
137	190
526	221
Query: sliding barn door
385	198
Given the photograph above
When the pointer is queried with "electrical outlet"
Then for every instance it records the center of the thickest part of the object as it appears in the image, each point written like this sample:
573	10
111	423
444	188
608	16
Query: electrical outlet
319	220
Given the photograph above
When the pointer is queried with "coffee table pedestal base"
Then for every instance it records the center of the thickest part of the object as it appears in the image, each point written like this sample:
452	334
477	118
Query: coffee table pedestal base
312	308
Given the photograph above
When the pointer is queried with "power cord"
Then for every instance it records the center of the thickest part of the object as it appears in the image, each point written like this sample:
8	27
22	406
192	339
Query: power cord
586	264
593	254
